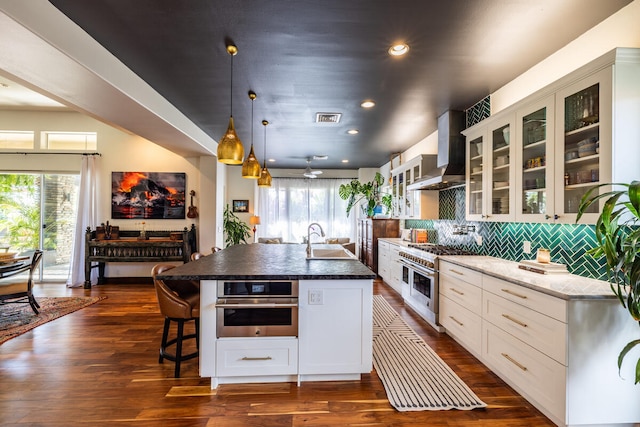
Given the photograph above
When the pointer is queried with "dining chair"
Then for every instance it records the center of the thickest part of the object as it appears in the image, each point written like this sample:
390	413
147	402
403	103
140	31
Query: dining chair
179	304
18	289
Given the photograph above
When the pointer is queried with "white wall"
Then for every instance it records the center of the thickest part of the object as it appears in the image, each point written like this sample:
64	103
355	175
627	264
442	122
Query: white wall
619	30
120	152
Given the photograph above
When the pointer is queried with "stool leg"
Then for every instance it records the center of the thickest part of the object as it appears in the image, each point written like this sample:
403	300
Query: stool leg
165	335
179	347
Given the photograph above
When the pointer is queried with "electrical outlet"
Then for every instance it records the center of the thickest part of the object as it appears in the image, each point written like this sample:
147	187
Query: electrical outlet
316	297
526	247
479	240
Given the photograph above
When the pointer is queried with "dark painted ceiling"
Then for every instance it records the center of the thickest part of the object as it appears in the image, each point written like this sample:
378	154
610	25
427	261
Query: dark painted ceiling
303	57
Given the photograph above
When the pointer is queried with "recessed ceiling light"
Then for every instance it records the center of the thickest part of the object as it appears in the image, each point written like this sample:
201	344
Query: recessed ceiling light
368	103
320	157
353	131
345	161
272	160
398	49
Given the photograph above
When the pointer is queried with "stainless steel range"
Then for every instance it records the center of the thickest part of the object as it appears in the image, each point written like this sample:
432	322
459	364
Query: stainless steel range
420	278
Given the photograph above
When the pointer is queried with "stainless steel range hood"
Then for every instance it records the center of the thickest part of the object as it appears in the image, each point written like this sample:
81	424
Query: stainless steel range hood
450	165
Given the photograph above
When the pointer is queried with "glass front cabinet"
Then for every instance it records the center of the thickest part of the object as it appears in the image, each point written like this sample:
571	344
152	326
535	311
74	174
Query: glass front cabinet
583	143
413	204
534	161
535	182
490	172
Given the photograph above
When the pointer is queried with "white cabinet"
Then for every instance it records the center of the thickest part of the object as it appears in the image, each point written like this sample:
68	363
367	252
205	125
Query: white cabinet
254	357
334	342
336	328
491	171
413	204
535	155
525	341
383	259
461	305
562	140
395	268
559	354
583	143
389	267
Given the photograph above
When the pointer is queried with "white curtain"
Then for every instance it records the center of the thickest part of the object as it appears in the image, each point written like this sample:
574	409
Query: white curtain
291	204
87	217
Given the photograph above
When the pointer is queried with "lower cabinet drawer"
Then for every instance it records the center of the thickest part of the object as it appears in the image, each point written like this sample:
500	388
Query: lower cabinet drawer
541	332
462	324
256	356
540	378
464	293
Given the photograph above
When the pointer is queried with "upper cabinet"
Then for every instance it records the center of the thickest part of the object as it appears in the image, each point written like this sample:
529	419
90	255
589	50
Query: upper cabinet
413	204
534	161
535	155
491	171
584	143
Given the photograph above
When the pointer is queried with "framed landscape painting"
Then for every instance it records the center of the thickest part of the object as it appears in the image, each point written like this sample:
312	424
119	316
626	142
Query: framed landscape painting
148	195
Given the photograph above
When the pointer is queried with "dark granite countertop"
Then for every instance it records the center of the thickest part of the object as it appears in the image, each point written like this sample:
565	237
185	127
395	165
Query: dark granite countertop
268	262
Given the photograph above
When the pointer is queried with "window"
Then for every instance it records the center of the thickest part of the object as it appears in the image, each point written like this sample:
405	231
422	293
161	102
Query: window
290	205
16	140
80	141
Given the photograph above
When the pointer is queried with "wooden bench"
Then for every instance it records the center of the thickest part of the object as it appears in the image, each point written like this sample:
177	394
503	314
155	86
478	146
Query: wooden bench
160	245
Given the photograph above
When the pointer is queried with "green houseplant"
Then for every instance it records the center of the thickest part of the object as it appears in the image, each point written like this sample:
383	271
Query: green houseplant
618	235
236	231
370	192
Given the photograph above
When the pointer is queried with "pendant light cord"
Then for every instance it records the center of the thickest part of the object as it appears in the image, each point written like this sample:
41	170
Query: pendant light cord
231	93
264	159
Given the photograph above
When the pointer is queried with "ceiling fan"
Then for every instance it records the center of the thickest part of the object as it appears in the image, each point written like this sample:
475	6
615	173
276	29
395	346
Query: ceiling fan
310	173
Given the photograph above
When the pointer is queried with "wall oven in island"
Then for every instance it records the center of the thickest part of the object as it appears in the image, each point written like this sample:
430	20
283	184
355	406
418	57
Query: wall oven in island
257	308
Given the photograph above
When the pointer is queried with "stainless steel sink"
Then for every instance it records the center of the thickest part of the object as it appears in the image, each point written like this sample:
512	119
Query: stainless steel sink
321	253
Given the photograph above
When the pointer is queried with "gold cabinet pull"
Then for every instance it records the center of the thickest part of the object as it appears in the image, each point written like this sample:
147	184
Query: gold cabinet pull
456	320
257	358
515	362
457	291
457	272
515	294
506	316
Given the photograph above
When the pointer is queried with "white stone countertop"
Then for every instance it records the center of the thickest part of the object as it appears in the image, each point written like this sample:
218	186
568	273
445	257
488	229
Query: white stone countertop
566	286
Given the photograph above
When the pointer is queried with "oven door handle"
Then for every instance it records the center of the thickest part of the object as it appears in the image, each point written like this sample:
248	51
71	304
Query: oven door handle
418	269
256	305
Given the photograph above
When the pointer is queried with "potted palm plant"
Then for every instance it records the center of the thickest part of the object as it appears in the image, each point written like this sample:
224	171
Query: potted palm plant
369	192
618	236
236	230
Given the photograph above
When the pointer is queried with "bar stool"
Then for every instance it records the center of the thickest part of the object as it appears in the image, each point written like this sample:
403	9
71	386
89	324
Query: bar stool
178	304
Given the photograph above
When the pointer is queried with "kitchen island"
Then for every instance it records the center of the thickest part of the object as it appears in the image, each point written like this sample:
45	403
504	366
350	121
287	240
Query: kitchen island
334	316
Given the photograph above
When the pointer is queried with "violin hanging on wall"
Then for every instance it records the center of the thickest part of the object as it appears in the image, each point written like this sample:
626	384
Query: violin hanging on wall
193	211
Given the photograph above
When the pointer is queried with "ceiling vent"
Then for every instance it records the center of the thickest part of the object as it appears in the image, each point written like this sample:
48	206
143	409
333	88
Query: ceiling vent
328	117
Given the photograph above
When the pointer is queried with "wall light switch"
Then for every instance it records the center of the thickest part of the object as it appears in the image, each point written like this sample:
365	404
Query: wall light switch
526	247
316	297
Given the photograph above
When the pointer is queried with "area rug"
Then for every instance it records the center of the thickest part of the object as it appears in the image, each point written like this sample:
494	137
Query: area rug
414	376
16	319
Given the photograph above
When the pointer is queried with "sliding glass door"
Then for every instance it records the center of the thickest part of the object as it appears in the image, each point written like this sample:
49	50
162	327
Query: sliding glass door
38	211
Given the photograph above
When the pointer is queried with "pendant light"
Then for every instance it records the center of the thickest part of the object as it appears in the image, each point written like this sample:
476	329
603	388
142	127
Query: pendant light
230	149
251	165
265	176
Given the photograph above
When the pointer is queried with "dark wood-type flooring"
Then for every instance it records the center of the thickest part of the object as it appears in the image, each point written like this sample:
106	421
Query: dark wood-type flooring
99	366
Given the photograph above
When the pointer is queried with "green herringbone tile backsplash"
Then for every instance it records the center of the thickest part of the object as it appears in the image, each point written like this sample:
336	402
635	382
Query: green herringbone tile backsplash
568	242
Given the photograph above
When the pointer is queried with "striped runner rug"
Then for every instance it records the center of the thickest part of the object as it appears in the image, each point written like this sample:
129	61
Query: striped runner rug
414	376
